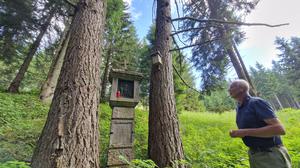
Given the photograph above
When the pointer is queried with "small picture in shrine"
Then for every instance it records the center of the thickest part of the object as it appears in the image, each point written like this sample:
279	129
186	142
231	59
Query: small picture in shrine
125	88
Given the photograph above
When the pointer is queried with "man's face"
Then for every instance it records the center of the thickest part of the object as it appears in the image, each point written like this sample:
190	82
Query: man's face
234	91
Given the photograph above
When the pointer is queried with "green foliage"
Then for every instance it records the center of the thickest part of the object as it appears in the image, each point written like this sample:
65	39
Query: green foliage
121	42
34	77
14	164
272	84
141	134
291	120
209	134
265	80
186	98
16	22
289	61
21	120
104	126
138	163
218	101
24	106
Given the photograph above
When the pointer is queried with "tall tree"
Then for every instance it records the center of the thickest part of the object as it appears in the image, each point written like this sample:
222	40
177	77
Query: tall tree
164	142
47	90
274	86
215	49
70	135
15	84
266	81
289	60
121	42
253	88
112	31
17	19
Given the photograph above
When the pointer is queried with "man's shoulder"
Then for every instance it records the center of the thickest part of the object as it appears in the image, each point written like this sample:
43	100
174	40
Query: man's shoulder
256	99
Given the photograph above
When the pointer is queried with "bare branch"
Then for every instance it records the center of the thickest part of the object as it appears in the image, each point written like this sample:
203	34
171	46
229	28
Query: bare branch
178	35
71	3
177	9
184	81
180	55
178	15
186	30
227	22
193	45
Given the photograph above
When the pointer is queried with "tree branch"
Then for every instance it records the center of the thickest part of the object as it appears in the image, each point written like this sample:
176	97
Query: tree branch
186	30
184	81
193	45
180	55
227	22
71	3
177	35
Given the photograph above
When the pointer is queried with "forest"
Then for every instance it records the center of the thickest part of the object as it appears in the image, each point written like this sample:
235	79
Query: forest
56	61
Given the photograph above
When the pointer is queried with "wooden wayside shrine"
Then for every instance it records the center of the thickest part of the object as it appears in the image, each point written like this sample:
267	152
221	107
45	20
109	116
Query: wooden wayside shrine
124	97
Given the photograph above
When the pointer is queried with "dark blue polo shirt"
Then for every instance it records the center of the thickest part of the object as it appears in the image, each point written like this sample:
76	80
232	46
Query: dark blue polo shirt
251	114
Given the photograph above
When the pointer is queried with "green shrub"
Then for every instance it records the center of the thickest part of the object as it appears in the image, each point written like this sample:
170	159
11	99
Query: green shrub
14	164
218	101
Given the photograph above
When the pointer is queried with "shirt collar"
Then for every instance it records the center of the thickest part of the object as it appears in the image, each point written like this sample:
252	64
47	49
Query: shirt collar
246	100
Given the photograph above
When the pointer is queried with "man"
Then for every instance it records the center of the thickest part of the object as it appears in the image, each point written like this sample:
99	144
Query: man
259	128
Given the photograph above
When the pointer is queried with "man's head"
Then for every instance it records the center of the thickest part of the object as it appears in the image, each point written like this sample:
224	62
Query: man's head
238	89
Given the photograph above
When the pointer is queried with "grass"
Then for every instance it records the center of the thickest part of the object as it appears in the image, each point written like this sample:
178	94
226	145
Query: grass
205	135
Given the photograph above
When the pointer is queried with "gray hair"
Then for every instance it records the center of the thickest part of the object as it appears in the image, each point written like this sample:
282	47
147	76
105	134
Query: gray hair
241	83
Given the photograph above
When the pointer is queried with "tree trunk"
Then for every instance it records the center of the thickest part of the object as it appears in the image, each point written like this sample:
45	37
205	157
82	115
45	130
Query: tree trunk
253	91
70	135
105	75
14	86
8	49
292	101
49	85
164	142
234	60
278	101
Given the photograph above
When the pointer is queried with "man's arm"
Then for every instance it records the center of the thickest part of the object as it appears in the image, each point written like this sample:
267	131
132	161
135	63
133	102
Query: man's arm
273	128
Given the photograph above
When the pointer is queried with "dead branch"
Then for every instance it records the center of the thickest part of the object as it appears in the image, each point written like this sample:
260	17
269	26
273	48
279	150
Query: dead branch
193	45
227	22
184	80
186	30
177	35
71	3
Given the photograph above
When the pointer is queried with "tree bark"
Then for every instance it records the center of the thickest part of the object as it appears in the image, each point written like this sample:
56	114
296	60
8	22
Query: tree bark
235	62
252	87
228	45
14	86
164	142
105	75
278	101
49	85
70	135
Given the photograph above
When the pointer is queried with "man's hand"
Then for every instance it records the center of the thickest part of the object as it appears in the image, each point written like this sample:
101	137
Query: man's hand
237	133
273	128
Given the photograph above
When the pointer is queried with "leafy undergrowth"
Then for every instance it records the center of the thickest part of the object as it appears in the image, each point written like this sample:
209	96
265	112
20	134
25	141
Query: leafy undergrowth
205	135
